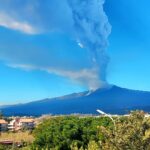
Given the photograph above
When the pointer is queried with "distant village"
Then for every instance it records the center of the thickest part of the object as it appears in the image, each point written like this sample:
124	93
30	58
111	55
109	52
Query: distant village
16	124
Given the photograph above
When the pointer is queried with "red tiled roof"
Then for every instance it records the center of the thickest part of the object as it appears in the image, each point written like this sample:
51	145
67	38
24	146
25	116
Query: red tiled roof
3	121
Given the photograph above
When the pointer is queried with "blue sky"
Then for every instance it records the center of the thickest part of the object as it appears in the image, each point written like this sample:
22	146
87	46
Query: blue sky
129	48
43	54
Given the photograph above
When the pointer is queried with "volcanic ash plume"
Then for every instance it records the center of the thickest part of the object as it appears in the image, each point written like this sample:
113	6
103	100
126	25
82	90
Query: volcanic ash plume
92	30
54	27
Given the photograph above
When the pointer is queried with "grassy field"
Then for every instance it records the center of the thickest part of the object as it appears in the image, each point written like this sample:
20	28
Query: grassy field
17	137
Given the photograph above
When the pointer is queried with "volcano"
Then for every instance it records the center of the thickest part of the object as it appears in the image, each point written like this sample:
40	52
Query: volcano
113	100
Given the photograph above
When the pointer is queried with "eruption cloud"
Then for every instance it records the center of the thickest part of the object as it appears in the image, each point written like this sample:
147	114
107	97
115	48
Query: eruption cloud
84	22
92	30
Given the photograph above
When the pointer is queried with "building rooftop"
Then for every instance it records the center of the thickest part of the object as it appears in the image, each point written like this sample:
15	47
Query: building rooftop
26	120
2	121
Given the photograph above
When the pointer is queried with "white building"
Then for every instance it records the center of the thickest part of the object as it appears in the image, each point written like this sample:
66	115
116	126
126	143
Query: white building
21	123
13	125
26	123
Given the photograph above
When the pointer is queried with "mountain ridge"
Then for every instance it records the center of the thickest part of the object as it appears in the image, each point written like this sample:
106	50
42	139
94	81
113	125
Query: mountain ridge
114	100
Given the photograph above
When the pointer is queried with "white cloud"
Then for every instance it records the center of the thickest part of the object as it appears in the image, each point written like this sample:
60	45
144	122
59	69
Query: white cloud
85	77
12	23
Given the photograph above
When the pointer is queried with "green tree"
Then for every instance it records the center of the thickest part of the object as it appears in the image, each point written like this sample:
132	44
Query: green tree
129	133
89	133
63	132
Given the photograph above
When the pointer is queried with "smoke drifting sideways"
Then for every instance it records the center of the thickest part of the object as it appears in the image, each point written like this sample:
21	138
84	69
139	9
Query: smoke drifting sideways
83	23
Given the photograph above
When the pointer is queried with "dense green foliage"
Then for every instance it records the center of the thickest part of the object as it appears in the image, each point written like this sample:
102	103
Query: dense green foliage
131	133
90	133
63	132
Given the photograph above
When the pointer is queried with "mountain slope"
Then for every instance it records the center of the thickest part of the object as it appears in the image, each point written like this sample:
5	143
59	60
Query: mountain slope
112	100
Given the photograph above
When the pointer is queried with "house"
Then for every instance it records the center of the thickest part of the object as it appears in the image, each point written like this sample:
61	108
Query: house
21	123
13	125
3	125
26	123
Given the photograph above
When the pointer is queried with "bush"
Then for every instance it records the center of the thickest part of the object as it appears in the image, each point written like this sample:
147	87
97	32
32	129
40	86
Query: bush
62	132
73	133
